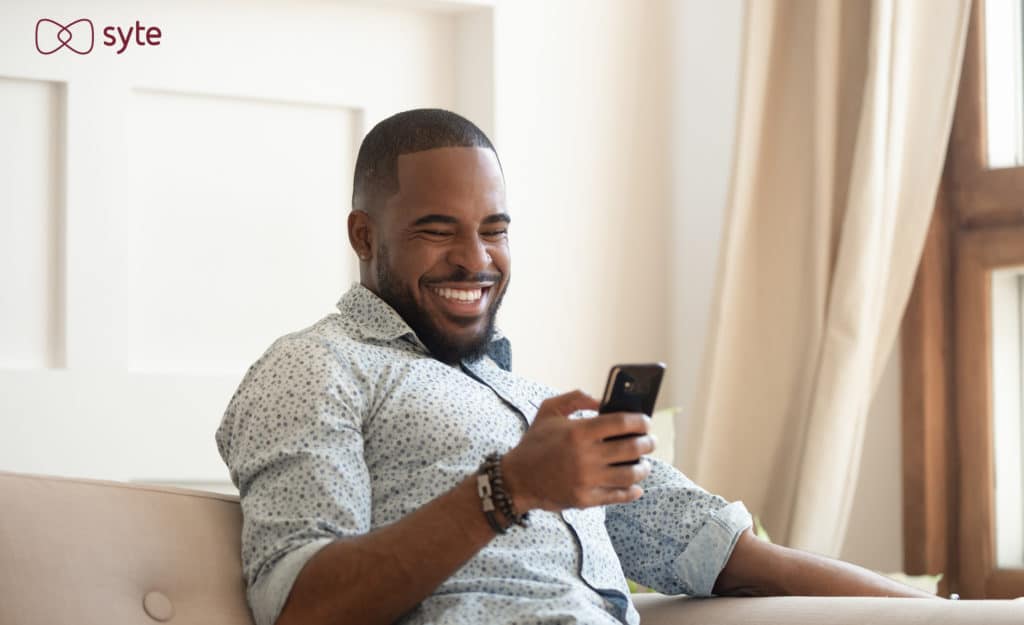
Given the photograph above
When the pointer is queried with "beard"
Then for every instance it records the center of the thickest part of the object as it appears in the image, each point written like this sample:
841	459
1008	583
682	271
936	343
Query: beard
442	346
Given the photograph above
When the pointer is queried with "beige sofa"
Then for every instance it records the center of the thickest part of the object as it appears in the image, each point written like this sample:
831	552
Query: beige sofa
89	552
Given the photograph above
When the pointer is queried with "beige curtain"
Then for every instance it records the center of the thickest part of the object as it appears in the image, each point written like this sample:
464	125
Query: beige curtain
844	116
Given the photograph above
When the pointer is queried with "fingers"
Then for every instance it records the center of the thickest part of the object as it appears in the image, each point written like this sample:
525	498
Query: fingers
624	476
627	449
565	405
617	424
576	457
610	496
618	485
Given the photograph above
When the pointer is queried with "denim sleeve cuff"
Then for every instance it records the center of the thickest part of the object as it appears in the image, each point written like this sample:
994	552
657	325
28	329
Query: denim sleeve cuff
271	590
706	555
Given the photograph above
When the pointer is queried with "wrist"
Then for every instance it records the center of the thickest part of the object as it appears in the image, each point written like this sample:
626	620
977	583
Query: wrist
514	485
495	500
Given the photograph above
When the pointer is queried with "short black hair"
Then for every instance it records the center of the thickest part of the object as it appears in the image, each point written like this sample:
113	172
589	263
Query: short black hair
376	173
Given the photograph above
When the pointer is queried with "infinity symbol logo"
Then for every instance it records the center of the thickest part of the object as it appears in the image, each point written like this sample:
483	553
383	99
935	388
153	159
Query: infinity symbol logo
78	36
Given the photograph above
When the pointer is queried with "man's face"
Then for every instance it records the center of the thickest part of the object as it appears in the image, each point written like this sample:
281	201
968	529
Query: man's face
442	256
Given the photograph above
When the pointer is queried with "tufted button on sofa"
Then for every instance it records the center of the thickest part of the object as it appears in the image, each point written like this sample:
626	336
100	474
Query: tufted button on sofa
105	553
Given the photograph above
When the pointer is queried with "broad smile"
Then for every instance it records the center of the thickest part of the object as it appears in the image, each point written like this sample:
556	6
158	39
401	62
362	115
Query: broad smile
462	300
460	295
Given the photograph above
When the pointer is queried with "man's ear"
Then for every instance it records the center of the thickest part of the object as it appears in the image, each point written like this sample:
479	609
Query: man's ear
360	234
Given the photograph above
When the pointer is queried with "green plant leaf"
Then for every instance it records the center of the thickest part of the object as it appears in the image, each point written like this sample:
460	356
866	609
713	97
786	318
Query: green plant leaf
759	530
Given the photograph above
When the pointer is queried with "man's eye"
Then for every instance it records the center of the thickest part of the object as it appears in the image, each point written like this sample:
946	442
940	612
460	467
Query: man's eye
435	233
494	234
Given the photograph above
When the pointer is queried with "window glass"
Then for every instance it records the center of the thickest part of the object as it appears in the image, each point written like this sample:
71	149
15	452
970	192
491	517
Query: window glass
1008	413
1004	82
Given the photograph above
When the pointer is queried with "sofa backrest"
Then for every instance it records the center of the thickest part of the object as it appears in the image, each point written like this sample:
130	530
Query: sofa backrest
82	551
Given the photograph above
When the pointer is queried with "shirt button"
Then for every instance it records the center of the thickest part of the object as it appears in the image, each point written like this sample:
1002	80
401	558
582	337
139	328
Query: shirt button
158	606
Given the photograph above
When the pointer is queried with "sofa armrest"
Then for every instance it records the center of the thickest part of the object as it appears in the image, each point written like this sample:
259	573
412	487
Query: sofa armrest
663	610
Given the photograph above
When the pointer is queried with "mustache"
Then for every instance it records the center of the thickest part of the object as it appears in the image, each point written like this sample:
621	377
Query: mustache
464	276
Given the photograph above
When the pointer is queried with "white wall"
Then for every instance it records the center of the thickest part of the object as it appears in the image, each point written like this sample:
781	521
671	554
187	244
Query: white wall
166	213
707	41
581	127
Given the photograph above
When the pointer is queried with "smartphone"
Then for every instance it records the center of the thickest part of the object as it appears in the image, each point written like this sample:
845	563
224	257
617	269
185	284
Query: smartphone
632	388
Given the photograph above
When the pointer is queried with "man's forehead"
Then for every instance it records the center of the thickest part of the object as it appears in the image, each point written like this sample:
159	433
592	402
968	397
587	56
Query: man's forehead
450	162
448	178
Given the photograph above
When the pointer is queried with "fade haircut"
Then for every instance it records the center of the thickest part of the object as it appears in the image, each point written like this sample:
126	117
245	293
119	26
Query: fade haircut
376	173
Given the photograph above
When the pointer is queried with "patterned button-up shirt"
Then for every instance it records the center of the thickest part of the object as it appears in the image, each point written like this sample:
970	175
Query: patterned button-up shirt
350	425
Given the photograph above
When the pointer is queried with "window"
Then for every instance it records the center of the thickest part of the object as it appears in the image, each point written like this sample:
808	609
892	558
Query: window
963	334
1007	305
1004	83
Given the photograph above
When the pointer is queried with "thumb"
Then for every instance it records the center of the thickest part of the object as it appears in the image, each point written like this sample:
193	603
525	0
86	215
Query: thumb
562	406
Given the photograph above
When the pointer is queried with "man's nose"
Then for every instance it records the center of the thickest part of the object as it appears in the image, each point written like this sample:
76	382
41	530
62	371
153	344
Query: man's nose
471	254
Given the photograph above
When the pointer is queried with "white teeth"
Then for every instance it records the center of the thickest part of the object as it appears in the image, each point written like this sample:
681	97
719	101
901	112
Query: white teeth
461	295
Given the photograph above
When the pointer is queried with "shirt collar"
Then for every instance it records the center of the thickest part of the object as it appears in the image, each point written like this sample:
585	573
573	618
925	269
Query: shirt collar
370	316
374	319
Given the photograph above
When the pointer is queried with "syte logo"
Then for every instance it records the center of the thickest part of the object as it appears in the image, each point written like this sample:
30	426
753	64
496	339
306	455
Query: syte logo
79	36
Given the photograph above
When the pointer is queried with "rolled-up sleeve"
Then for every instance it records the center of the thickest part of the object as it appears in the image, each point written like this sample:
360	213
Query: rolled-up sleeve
292	439
677	538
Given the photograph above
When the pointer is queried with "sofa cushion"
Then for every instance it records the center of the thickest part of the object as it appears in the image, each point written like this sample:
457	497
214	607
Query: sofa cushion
106	553
80	551
662	610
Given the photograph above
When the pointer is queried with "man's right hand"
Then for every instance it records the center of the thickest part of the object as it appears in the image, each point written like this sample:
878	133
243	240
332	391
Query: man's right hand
570	463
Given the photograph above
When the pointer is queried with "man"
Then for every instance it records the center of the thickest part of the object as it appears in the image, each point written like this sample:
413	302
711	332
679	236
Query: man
360	445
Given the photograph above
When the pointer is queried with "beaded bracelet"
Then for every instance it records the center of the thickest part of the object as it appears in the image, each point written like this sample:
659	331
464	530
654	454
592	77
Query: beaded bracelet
483	488
491	488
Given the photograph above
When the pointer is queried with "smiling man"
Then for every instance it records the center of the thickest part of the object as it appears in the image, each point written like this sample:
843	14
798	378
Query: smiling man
392	468
440	231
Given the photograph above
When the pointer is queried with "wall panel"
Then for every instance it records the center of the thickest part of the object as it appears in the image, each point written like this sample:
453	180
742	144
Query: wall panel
234	221
31	222
167	212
